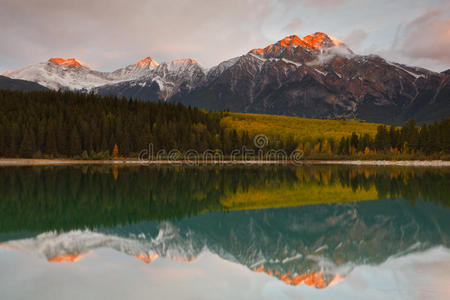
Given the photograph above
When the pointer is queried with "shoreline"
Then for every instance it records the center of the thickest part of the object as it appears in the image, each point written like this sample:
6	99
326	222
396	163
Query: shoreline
5	162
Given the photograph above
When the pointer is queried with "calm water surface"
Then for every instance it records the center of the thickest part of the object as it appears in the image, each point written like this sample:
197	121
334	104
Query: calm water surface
318	232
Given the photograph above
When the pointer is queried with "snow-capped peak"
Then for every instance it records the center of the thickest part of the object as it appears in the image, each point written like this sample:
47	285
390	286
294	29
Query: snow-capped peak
181	65
147	62
70	62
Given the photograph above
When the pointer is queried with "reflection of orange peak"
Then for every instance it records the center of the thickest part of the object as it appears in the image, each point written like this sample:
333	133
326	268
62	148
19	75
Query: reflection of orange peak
71	62
313	278
312	41
147	62
184	259
147	258
66	258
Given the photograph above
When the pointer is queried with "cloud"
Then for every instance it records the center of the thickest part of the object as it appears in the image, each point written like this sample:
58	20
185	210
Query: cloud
427	37
109	34
328	54
319	3
355	38
294	25
95	31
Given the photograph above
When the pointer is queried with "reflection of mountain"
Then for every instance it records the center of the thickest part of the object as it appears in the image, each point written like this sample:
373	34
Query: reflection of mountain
78	197
316	245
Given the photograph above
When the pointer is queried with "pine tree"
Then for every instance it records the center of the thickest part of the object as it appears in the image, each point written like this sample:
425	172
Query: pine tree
382	140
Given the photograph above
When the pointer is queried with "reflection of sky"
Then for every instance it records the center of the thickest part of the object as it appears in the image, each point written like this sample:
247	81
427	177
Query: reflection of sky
108	274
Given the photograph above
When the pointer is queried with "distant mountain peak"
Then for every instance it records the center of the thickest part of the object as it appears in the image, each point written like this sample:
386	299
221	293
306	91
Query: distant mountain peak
70	62
318	40
147	62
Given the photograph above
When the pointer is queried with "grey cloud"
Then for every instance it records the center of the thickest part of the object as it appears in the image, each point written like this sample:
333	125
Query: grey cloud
294	25
355	38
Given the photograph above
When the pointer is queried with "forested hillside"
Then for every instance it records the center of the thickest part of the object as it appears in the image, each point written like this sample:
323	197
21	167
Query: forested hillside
73	125
67	124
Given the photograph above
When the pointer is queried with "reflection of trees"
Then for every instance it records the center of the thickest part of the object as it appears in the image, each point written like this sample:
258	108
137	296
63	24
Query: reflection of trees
78	197
391	182
45	198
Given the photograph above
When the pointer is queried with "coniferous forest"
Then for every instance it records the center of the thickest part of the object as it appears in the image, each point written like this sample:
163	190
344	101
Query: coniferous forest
67	124
52	124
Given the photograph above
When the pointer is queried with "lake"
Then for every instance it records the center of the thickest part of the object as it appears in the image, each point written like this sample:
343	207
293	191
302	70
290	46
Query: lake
224	232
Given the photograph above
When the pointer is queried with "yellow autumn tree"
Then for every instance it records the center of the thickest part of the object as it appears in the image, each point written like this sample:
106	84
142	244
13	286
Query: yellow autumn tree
115	152
317	147
326	148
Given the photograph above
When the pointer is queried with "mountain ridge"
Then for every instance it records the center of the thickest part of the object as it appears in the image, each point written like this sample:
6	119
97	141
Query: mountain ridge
317	76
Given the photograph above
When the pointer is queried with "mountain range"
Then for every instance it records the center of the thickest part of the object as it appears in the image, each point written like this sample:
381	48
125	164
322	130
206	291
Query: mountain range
317	76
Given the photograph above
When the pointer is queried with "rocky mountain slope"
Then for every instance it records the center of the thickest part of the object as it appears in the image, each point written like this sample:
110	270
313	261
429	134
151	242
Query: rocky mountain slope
318	77
7	83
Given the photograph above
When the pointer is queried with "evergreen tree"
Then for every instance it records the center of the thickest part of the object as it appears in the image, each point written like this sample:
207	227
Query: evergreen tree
382	140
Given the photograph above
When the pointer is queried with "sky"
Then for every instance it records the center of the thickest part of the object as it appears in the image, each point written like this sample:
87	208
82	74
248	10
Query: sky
109	34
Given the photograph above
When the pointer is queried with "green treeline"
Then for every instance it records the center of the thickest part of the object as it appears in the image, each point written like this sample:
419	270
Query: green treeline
66	124
408	141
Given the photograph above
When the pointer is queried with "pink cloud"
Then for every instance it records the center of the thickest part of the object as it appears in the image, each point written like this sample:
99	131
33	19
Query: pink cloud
427	37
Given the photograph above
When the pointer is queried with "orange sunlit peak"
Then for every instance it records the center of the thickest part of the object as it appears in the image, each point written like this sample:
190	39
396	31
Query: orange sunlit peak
71	62
147	62
316	40
291	40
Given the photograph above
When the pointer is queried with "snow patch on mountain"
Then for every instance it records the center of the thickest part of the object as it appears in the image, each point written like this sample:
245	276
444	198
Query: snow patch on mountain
417	76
